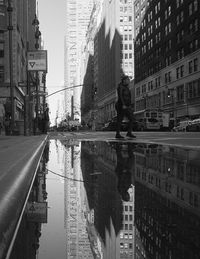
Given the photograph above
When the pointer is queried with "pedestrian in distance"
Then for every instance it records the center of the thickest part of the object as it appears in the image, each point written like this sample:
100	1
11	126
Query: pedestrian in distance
123	107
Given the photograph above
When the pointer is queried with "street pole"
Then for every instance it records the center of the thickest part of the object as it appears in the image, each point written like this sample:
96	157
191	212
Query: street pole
173	90
175	111
35	23
10	29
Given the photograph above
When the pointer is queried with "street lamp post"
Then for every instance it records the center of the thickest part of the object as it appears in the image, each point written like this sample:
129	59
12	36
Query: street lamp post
35	23
10	29
173	90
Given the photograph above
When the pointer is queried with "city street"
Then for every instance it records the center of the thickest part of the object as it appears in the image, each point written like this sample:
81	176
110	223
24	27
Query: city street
116	193
183	139
75	182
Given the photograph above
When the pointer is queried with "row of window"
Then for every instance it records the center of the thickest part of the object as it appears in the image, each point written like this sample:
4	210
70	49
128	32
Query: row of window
167	61
193	87
128	217
127	37
193	7
193	27
126	56
126	245
126	46
125	18
125	1
126	235
125	28
192	67
193	198
126	9
127	226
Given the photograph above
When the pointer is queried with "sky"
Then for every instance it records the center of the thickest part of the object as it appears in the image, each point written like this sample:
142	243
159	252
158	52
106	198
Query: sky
51	14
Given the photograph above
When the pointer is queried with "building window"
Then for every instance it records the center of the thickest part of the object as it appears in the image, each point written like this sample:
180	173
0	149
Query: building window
180	18
179	36
157	8
168	61
168	77
193	89
167	28
193	66
157	22
179	72
193	45
180	53
193	7
1	50
150	16
179	3
193	26
1	74
168	12
158	37
168	45
195	61
157	82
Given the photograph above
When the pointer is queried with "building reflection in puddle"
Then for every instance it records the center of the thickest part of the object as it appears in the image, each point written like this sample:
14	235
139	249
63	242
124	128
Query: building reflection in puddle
120	200
109	186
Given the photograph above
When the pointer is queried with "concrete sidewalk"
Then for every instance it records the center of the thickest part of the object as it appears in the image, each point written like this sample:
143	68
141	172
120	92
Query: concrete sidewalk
19	160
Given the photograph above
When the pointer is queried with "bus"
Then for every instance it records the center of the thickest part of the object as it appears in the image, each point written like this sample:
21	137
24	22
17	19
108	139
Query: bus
149	119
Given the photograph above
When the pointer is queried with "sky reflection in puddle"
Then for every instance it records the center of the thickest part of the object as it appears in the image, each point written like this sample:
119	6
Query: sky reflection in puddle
115	200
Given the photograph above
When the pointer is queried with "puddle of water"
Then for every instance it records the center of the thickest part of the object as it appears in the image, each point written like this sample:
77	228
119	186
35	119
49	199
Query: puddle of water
113	200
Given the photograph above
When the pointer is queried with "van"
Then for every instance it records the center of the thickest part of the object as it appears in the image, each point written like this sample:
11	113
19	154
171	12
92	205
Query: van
182	125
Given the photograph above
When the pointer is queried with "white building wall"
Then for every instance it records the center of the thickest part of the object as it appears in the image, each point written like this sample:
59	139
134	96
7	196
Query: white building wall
77	19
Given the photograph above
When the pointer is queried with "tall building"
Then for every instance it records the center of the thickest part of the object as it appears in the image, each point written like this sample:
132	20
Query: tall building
77	242
77	19
167	57
88	72
22	15
113	54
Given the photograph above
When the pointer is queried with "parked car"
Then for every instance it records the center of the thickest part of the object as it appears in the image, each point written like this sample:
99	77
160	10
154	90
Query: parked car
194	125
182	126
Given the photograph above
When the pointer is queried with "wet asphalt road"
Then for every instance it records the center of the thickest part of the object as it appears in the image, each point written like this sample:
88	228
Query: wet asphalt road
181	139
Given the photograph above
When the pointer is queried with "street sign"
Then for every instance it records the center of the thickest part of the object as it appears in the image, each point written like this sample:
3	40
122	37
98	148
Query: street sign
37	60
37	212
22	84
39	93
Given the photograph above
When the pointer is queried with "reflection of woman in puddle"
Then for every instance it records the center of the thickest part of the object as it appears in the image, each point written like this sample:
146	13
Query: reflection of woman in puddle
124	169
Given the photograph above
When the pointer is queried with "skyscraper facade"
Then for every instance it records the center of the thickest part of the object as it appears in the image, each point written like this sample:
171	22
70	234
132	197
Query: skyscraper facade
77	19
167	57
114	49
